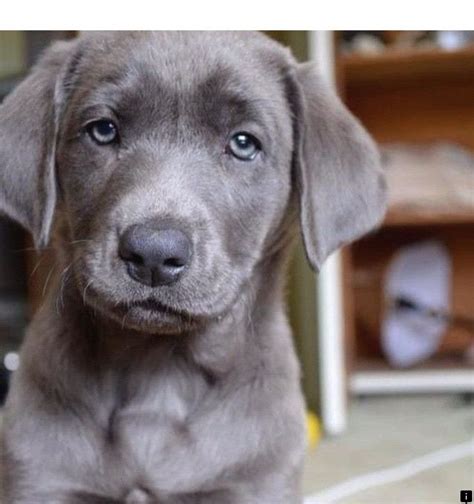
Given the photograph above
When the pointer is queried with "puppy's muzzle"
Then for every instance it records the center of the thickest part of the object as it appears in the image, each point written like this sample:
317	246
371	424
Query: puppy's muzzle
155	257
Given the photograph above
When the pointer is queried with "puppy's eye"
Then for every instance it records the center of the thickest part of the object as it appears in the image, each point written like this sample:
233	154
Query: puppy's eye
103	132
244	146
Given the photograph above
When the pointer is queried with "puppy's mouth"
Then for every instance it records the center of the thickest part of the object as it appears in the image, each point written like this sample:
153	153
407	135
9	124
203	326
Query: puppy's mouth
151	314
153	306
154	314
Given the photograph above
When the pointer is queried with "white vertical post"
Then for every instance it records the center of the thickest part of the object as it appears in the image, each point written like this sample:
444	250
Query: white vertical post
329	283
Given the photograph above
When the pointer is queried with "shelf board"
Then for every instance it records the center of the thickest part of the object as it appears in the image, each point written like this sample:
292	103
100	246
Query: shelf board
440	375
413	382
399	217
408	65
436	363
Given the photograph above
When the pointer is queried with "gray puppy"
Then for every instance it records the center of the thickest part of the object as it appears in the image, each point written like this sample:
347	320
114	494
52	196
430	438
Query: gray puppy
170	168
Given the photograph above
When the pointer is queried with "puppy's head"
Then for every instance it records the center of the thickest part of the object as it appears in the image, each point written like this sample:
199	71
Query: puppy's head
173	159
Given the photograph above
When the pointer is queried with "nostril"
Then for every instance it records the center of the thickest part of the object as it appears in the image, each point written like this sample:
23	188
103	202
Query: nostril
174	262
130	256
135	258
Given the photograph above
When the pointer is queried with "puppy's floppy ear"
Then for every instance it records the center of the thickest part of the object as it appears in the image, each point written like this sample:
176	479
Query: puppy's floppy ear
339	179
28	131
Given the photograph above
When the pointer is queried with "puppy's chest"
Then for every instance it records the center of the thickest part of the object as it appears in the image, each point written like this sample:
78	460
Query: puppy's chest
152	409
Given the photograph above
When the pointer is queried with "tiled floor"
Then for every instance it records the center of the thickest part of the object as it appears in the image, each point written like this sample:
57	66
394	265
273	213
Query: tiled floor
385	432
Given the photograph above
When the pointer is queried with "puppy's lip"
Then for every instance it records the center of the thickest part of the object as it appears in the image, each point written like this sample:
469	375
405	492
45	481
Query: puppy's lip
156	308
153	305
156	316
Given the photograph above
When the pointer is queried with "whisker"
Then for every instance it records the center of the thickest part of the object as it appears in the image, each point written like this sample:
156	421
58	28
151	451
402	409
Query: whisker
80	241
38	263
45	286
125	316
84	292
60	297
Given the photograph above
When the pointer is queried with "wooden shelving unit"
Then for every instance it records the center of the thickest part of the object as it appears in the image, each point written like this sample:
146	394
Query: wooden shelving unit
406	66
417	97
396	218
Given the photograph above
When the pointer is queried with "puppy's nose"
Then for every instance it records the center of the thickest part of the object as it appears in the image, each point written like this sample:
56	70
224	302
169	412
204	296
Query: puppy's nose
155	257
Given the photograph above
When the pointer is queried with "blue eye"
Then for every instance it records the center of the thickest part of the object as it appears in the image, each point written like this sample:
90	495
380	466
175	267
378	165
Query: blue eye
244	146
103	132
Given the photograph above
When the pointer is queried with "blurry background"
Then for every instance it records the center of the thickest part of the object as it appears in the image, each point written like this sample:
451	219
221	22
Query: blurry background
385	333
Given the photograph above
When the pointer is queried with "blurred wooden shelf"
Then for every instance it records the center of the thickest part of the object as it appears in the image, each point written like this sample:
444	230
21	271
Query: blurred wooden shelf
407	217
408	65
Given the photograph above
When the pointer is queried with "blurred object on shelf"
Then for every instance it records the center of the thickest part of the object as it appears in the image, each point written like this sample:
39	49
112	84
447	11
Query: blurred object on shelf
452	40
406	40
375	42
433	179
371	260
363	42
418	275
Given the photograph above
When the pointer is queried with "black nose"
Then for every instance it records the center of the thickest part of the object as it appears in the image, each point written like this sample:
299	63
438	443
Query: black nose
154	257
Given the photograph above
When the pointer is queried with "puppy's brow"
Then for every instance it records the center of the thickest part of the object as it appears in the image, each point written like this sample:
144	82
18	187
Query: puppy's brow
101	111
128	90
225	99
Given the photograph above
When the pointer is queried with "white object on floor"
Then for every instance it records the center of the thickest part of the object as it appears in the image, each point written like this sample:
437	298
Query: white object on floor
393	474
420	273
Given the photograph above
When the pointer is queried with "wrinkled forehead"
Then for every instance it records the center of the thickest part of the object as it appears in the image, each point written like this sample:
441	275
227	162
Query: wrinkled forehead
165	71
